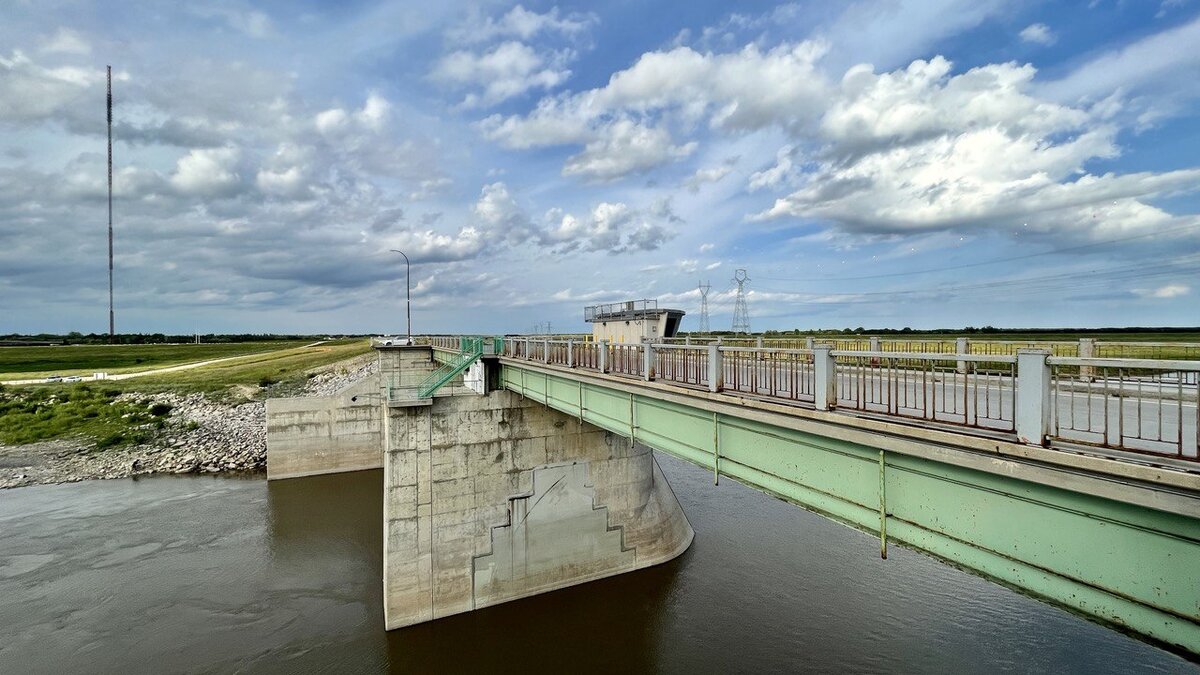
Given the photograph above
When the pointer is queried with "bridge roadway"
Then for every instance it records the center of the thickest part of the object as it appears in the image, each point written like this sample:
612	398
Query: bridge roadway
1115	537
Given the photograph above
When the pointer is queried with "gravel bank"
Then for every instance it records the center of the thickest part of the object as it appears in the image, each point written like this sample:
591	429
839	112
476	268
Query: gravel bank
200	436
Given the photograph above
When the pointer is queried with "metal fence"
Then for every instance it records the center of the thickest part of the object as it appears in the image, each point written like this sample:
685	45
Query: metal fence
934	388
1139	405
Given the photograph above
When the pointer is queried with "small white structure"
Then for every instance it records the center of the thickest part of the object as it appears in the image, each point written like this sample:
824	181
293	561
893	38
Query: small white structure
632	321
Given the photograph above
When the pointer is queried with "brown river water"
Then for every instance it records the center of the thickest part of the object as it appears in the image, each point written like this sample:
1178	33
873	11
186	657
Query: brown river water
211	574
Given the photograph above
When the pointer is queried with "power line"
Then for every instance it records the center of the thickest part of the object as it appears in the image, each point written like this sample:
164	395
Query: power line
705	287
981	263
741	315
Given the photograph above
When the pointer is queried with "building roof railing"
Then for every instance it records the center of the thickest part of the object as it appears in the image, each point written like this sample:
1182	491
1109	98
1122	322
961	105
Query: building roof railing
621	310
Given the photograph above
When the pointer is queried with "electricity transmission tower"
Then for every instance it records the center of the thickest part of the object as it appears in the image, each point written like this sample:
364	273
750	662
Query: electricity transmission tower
705	287
741	317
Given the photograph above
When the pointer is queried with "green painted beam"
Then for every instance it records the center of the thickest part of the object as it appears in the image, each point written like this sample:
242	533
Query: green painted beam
1124	564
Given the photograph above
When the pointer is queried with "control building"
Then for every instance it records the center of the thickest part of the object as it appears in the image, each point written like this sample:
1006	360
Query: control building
632	321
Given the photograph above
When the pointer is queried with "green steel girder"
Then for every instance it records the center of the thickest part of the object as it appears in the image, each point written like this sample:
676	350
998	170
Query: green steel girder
1118	562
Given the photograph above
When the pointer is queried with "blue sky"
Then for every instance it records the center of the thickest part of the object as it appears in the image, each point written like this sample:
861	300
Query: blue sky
880	163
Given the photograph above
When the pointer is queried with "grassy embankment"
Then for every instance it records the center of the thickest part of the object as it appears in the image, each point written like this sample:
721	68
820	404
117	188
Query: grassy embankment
43	412
22	363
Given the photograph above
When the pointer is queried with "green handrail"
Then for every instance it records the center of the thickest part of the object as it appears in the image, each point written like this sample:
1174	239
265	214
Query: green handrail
471	349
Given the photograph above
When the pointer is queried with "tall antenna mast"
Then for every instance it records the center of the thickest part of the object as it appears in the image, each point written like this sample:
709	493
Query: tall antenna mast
112	332
705	287
741	317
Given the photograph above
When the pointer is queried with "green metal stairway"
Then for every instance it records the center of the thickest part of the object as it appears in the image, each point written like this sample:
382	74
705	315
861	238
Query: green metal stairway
470	349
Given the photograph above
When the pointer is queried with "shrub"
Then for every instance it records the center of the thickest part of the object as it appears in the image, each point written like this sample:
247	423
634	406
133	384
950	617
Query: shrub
110	440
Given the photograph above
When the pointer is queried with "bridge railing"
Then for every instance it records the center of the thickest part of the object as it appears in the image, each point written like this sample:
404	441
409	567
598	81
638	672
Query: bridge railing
1139	405
931	387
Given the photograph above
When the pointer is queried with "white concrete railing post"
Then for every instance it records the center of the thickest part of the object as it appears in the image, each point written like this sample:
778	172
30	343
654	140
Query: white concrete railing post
1033	396
824	378
962	345
687	340
527	357
546	351
648	361
716	373
873	342
1087	350
602	355
570	353
758	344
809	342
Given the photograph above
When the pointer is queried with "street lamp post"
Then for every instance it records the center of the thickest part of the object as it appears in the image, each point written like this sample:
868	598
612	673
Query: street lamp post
408	291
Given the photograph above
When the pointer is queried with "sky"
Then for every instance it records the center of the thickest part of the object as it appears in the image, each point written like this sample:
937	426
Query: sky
878	163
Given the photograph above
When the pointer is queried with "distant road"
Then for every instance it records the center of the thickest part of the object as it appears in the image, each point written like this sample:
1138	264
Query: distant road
156	371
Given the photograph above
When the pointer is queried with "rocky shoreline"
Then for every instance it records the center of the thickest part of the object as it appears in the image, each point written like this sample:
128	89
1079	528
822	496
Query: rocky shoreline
199	436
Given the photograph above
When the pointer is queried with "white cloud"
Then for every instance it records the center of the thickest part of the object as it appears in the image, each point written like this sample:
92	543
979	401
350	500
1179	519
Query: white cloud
919	149
709	175
207	172
1163	64
626	148
507	70
66	41
32	93
1165	292
522	24
248	22
704	248
741	91
1038	33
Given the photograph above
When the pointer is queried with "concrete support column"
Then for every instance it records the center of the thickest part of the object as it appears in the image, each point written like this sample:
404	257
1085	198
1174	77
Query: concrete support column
602	355
962	345
874	344
570	353
716	370
649	361
1033	396
1087	350
824	378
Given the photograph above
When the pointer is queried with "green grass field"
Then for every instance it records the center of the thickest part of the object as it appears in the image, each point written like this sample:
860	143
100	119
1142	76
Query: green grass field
32	413
19	363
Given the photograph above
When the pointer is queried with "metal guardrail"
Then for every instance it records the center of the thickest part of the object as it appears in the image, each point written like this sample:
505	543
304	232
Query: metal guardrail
1149	406
1140	405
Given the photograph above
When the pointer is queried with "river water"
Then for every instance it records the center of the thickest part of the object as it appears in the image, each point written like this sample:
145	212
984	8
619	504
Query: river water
212	574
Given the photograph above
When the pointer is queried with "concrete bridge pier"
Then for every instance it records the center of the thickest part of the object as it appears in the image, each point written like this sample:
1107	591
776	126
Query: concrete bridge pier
493	497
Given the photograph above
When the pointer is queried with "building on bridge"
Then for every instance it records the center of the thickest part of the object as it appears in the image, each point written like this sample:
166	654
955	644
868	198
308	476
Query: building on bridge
632	321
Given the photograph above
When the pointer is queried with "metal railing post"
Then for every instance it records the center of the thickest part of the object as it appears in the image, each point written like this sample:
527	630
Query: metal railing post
602	356
1033	396
824	378
1087	350
648	361
962	345
570	353
716	374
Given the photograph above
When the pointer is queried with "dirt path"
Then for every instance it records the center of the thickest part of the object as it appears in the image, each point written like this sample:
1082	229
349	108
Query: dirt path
156	371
